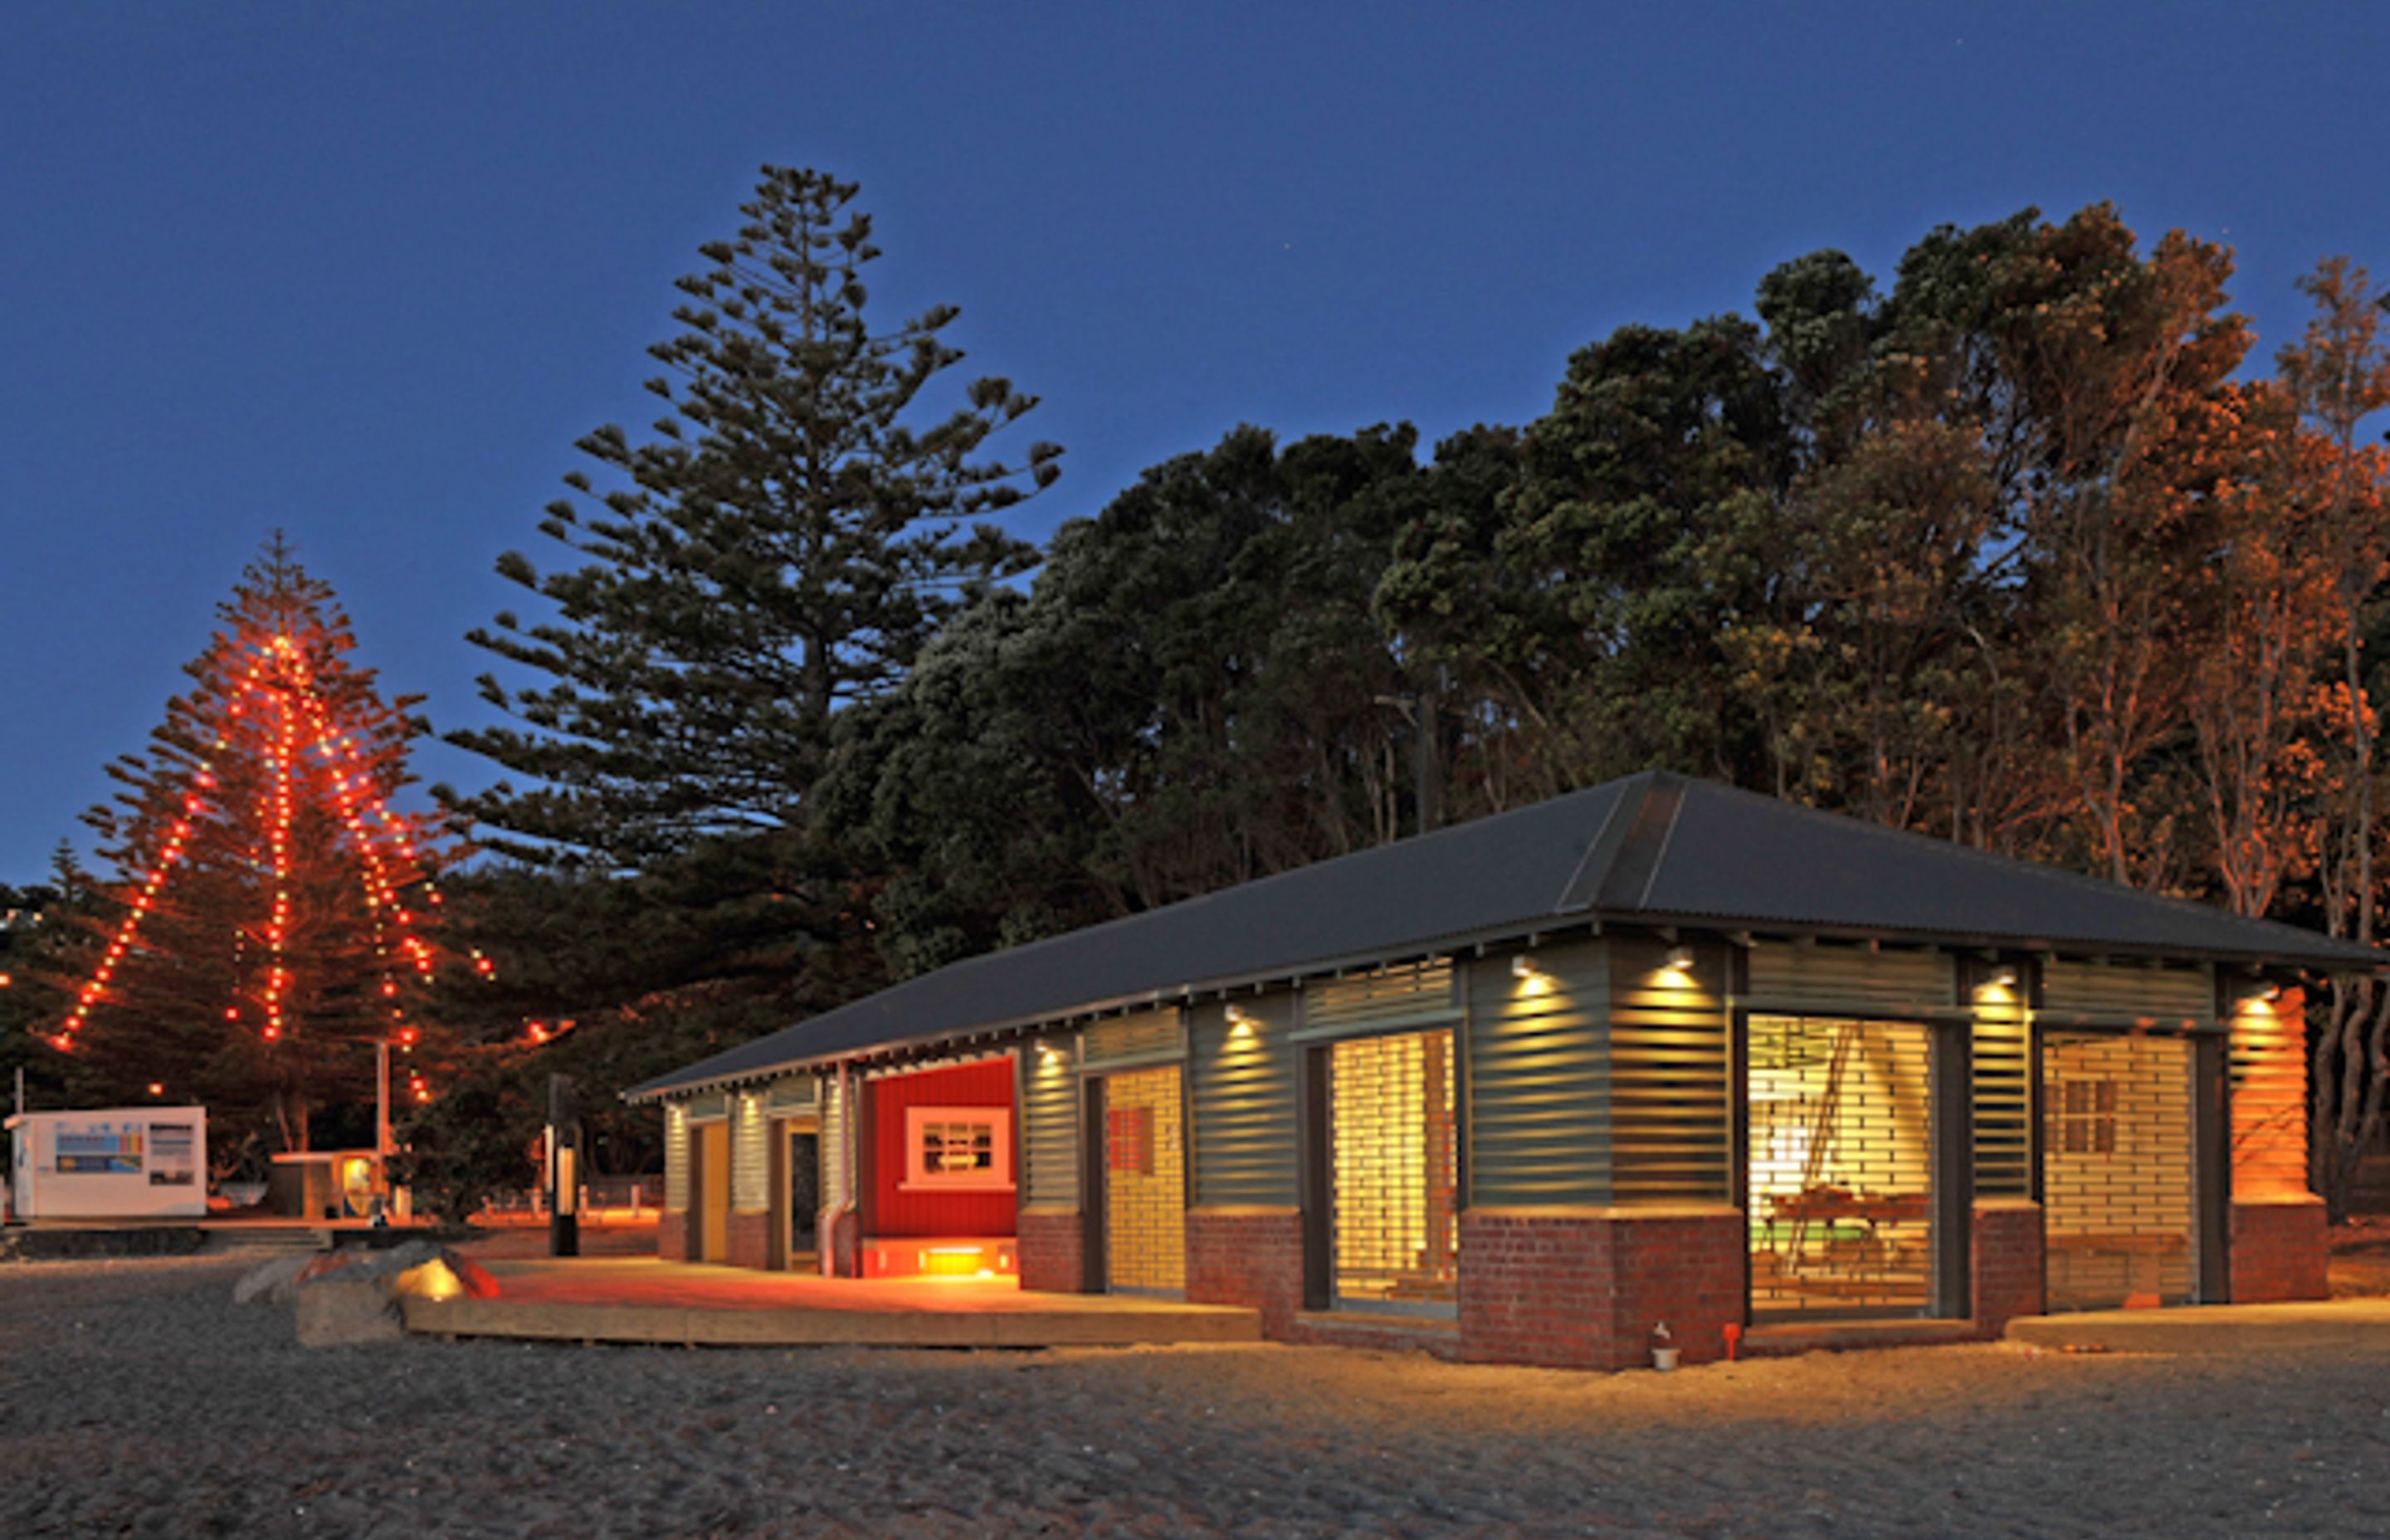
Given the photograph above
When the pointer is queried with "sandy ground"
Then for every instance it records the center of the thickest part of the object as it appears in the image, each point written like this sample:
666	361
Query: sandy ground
136	1399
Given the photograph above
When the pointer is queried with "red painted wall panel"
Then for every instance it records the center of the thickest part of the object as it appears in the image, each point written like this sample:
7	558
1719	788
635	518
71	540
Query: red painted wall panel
888	1211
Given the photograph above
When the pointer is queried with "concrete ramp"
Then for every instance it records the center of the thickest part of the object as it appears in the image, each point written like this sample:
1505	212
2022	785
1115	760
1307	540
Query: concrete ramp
644	1299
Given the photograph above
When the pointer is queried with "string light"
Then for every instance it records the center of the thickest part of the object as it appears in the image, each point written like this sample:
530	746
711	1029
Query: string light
277	704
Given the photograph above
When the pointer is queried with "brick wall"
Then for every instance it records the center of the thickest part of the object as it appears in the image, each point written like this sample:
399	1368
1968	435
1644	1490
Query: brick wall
1584	1288
749	1240
2279	1251
2004	1238
1050	1245
1682	1266
1251	1257
672	1235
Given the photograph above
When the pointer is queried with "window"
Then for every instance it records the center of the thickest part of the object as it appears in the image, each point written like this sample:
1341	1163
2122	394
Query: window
2086	1118
959	1149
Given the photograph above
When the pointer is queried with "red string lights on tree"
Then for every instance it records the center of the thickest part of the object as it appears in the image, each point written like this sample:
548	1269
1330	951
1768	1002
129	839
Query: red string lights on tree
265	865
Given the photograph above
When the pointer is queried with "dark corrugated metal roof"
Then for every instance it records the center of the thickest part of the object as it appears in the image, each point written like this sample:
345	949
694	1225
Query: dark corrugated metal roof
1653	847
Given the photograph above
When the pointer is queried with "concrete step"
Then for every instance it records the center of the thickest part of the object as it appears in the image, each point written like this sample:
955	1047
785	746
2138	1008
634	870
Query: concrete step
268	1240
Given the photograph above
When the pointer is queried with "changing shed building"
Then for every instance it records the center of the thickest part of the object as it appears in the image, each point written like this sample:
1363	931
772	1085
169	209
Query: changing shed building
1522	1090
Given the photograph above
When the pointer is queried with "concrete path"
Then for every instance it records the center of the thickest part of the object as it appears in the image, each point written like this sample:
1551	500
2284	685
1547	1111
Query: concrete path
647	1300
2323	1326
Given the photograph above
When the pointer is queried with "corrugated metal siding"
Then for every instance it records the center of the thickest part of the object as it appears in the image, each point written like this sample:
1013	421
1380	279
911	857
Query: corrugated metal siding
1833	980
793	1094
1672	1123
1244	1093
750	1154
2168	996
1049	1124
676	1156
1418	995
1539	1078
2269	1096
2000	1055
1148	1035
834	1145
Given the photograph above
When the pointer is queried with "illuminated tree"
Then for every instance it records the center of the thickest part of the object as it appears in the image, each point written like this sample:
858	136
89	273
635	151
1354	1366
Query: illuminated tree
272	914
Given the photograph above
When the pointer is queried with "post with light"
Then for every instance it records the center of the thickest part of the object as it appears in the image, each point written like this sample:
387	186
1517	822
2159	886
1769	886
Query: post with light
563	1167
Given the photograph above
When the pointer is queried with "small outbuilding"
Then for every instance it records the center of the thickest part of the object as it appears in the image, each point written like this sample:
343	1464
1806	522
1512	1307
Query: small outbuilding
110	1163
1524	1089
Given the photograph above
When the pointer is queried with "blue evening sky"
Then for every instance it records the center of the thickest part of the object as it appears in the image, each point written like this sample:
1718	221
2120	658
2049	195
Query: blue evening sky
366	272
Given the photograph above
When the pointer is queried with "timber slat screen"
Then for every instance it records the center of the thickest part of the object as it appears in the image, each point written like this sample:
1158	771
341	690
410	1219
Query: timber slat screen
1539	1077
2116	1170
2158	996
1148	1035
1672	1132
1244	1093
751	1170
1050	1125
675	1156
1841	1166
1394	1234
1413	995
2270	1108
2000	1060
1144	1182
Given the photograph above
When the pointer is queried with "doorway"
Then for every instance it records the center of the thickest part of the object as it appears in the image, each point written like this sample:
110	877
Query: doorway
1144	1182
1839	1163
713	1191
2118	1170
1393	1173
803	1156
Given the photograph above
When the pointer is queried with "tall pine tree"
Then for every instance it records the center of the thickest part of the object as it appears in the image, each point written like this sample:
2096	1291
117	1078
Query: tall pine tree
781	547
273	915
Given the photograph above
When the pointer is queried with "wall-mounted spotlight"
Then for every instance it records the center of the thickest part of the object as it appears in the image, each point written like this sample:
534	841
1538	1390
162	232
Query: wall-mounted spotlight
1523	965
2270	992
2003	977
1680	958
1241	1021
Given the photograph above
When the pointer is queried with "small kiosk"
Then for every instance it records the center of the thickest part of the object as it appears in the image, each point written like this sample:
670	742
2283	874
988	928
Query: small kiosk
111	1162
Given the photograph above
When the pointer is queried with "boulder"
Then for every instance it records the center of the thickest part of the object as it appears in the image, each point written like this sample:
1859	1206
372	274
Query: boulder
349	1299
340	1311
272	1281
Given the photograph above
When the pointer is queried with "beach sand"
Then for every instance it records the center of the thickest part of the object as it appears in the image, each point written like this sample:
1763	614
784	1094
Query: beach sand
136	1399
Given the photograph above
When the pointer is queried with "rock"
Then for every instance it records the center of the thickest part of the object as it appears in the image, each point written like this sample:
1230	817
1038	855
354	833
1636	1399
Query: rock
271	1281
339	1311
391	1261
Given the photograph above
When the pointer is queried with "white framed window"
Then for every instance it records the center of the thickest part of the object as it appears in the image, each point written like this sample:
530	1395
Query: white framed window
958	1149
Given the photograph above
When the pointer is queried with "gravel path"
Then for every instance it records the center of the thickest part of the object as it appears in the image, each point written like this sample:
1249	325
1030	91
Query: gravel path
136	1399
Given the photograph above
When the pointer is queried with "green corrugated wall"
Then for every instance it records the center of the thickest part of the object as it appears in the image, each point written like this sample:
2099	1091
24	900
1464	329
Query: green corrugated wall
1672	1120
1049	1122
1539	1078
1243	1087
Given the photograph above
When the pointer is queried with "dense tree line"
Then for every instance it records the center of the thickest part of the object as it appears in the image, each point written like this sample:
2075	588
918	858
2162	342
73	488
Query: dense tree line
2016	550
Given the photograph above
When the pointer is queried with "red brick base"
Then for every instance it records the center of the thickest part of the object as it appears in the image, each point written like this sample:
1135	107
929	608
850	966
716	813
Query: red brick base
1052	1249
749	1241
2279	1251
1586	1288
672	1235
1247	1256
2005	1239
